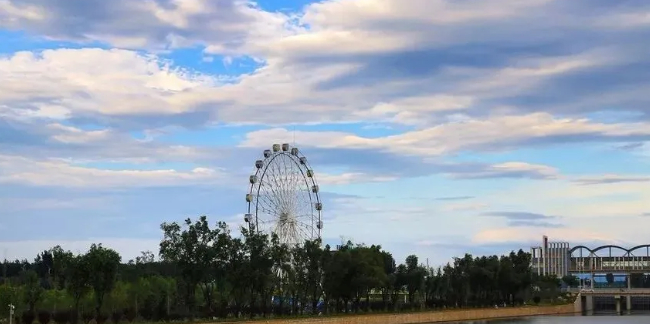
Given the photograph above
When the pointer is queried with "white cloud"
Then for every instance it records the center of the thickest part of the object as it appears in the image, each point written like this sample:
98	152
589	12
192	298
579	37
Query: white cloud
463	75
496	133
21	170
21	204
414	110
11	13
610	178
577	202
64	82
156	25
459	207
519	234
55	140
365	26
351	177
511	169
291	87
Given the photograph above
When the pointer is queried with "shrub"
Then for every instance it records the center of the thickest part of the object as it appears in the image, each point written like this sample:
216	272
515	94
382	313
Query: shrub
44	317
130	314
116	317
27	317
536	300
87	317
62	317
101	318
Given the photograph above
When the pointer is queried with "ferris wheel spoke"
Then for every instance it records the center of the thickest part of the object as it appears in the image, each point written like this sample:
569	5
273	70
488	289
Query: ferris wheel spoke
275	195
270	183
273	185
307	233
282	174
304	217
268	202
290	188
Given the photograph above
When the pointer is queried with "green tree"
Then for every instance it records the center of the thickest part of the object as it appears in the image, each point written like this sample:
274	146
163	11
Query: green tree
281	257
414	277
33	290
389	268
571	280
240	276
61	260
314	275
191	250
77	281
260	267
102	265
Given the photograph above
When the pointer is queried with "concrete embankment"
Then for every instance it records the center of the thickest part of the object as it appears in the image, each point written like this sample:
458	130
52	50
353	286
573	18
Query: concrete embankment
430	317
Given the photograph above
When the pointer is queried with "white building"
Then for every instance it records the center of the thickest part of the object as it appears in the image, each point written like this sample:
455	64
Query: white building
551	258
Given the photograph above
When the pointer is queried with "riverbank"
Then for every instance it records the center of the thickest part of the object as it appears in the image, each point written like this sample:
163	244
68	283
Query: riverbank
430	317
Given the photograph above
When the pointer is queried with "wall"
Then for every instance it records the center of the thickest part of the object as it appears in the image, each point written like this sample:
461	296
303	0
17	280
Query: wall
429	317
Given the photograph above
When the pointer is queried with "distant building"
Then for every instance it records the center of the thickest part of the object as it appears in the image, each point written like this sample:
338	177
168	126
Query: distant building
551	258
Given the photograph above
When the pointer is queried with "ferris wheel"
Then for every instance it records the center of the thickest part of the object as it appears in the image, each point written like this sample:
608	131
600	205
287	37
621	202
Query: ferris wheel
284	196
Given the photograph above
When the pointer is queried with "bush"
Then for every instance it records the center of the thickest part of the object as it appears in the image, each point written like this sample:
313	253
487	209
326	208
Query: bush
130	314
101	318
116	317
27	317
62	317
44	317
536	300
87	317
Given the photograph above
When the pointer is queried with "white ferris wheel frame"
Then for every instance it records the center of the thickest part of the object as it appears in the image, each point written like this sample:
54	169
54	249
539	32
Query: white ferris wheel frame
307	180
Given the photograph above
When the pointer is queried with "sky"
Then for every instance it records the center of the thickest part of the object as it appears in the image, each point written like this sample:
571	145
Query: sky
434	127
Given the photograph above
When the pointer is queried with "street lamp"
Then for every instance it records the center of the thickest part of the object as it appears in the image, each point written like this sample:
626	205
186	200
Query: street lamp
11	313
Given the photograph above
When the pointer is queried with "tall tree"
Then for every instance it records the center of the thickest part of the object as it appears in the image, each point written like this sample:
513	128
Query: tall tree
77	281
190	249
61	260
260	268
102	266
33	289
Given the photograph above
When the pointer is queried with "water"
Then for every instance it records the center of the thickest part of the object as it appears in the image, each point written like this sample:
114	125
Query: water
597	319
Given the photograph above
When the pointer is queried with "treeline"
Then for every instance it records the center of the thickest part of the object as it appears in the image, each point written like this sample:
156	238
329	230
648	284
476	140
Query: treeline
206	272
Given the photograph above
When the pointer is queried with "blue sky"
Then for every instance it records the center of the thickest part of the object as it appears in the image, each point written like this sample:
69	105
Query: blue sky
435	127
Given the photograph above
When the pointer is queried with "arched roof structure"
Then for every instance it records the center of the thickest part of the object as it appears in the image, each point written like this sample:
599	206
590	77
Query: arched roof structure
628	252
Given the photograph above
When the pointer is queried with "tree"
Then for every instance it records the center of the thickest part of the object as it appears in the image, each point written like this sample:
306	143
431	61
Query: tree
313	257
260	268
571	280
102	265
238	274
281	257
389	268
77	281
145	257
33	289
190	249
61	260
242	276
414	277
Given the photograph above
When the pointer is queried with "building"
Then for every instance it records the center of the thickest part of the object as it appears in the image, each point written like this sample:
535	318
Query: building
551	258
